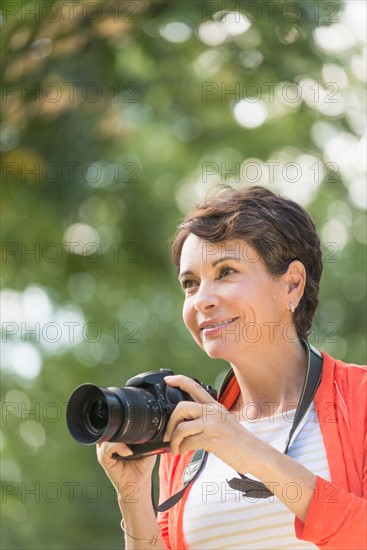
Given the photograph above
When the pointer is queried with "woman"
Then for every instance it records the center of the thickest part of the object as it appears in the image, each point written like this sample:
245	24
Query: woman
250	262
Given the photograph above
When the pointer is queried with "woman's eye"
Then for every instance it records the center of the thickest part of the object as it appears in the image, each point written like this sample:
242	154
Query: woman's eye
187	283
227	271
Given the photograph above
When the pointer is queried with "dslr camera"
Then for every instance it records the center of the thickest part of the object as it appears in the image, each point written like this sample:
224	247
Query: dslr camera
136	414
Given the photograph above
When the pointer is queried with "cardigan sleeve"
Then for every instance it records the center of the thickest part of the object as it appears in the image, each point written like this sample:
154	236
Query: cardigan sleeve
337	514
336	519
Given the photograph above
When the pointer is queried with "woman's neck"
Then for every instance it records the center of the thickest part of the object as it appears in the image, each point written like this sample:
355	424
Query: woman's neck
272	382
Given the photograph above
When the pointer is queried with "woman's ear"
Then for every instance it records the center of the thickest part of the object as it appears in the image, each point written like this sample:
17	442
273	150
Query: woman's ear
295	281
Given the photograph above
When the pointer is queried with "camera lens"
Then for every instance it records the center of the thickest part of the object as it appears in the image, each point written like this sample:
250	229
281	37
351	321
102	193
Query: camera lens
96	413
142	413
130	415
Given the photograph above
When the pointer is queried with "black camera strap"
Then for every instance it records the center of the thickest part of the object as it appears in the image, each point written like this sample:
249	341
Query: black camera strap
191	472
256	489
250	487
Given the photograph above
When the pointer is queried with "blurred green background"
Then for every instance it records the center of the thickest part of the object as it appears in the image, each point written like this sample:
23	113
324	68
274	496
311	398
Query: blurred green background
117	118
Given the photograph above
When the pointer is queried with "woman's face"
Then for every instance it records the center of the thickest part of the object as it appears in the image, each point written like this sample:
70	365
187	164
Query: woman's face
231	303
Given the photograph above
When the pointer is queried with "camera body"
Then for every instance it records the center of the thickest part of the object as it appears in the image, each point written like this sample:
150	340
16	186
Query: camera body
136	414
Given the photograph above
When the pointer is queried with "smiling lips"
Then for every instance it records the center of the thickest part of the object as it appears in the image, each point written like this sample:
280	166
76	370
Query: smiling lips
207	328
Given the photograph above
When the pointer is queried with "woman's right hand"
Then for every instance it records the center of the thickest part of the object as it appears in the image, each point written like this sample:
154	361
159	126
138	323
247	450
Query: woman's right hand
124	472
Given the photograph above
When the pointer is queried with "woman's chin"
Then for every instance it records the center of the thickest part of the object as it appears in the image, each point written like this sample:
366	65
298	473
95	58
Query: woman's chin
216	352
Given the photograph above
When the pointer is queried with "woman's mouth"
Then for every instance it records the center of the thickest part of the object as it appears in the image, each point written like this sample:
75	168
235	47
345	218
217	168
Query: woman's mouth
208	328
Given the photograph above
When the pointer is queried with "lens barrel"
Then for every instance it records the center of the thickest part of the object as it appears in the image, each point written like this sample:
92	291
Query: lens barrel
93	414
128	415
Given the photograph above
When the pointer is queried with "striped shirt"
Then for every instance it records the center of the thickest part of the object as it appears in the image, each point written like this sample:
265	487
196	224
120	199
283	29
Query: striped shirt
218	517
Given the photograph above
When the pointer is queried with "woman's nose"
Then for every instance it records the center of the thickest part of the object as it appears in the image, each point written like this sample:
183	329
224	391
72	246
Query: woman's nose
206	297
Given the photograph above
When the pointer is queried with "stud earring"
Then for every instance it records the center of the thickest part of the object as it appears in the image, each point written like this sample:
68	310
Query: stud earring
291	307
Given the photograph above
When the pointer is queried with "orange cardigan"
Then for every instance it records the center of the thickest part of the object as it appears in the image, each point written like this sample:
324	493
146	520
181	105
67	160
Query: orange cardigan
337	515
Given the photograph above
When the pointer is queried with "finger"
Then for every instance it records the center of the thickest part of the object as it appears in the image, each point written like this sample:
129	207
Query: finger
190	386
184	434
185	410
106	450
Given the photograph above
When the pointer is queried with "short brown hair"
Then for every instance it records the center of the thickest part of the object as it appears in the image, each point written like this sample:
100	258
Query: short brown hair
279	229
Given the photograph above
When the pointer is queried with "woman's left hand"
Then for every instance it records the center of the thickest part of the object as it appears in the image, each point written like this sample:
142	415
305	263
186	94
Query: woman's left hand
206	424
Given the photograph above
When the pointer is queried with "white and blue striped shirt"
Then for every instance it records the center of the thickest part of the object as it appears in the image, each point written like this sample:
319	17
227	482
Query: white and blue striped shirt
218	517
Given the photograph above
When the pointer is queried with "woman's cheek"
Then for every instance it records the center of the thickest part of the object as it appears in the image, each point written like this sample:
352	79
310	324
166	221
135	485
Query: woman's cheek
189	318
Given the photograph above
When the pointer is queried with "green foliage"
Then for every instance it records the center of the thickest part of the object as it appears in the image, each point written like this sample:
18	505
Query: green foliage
119	121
